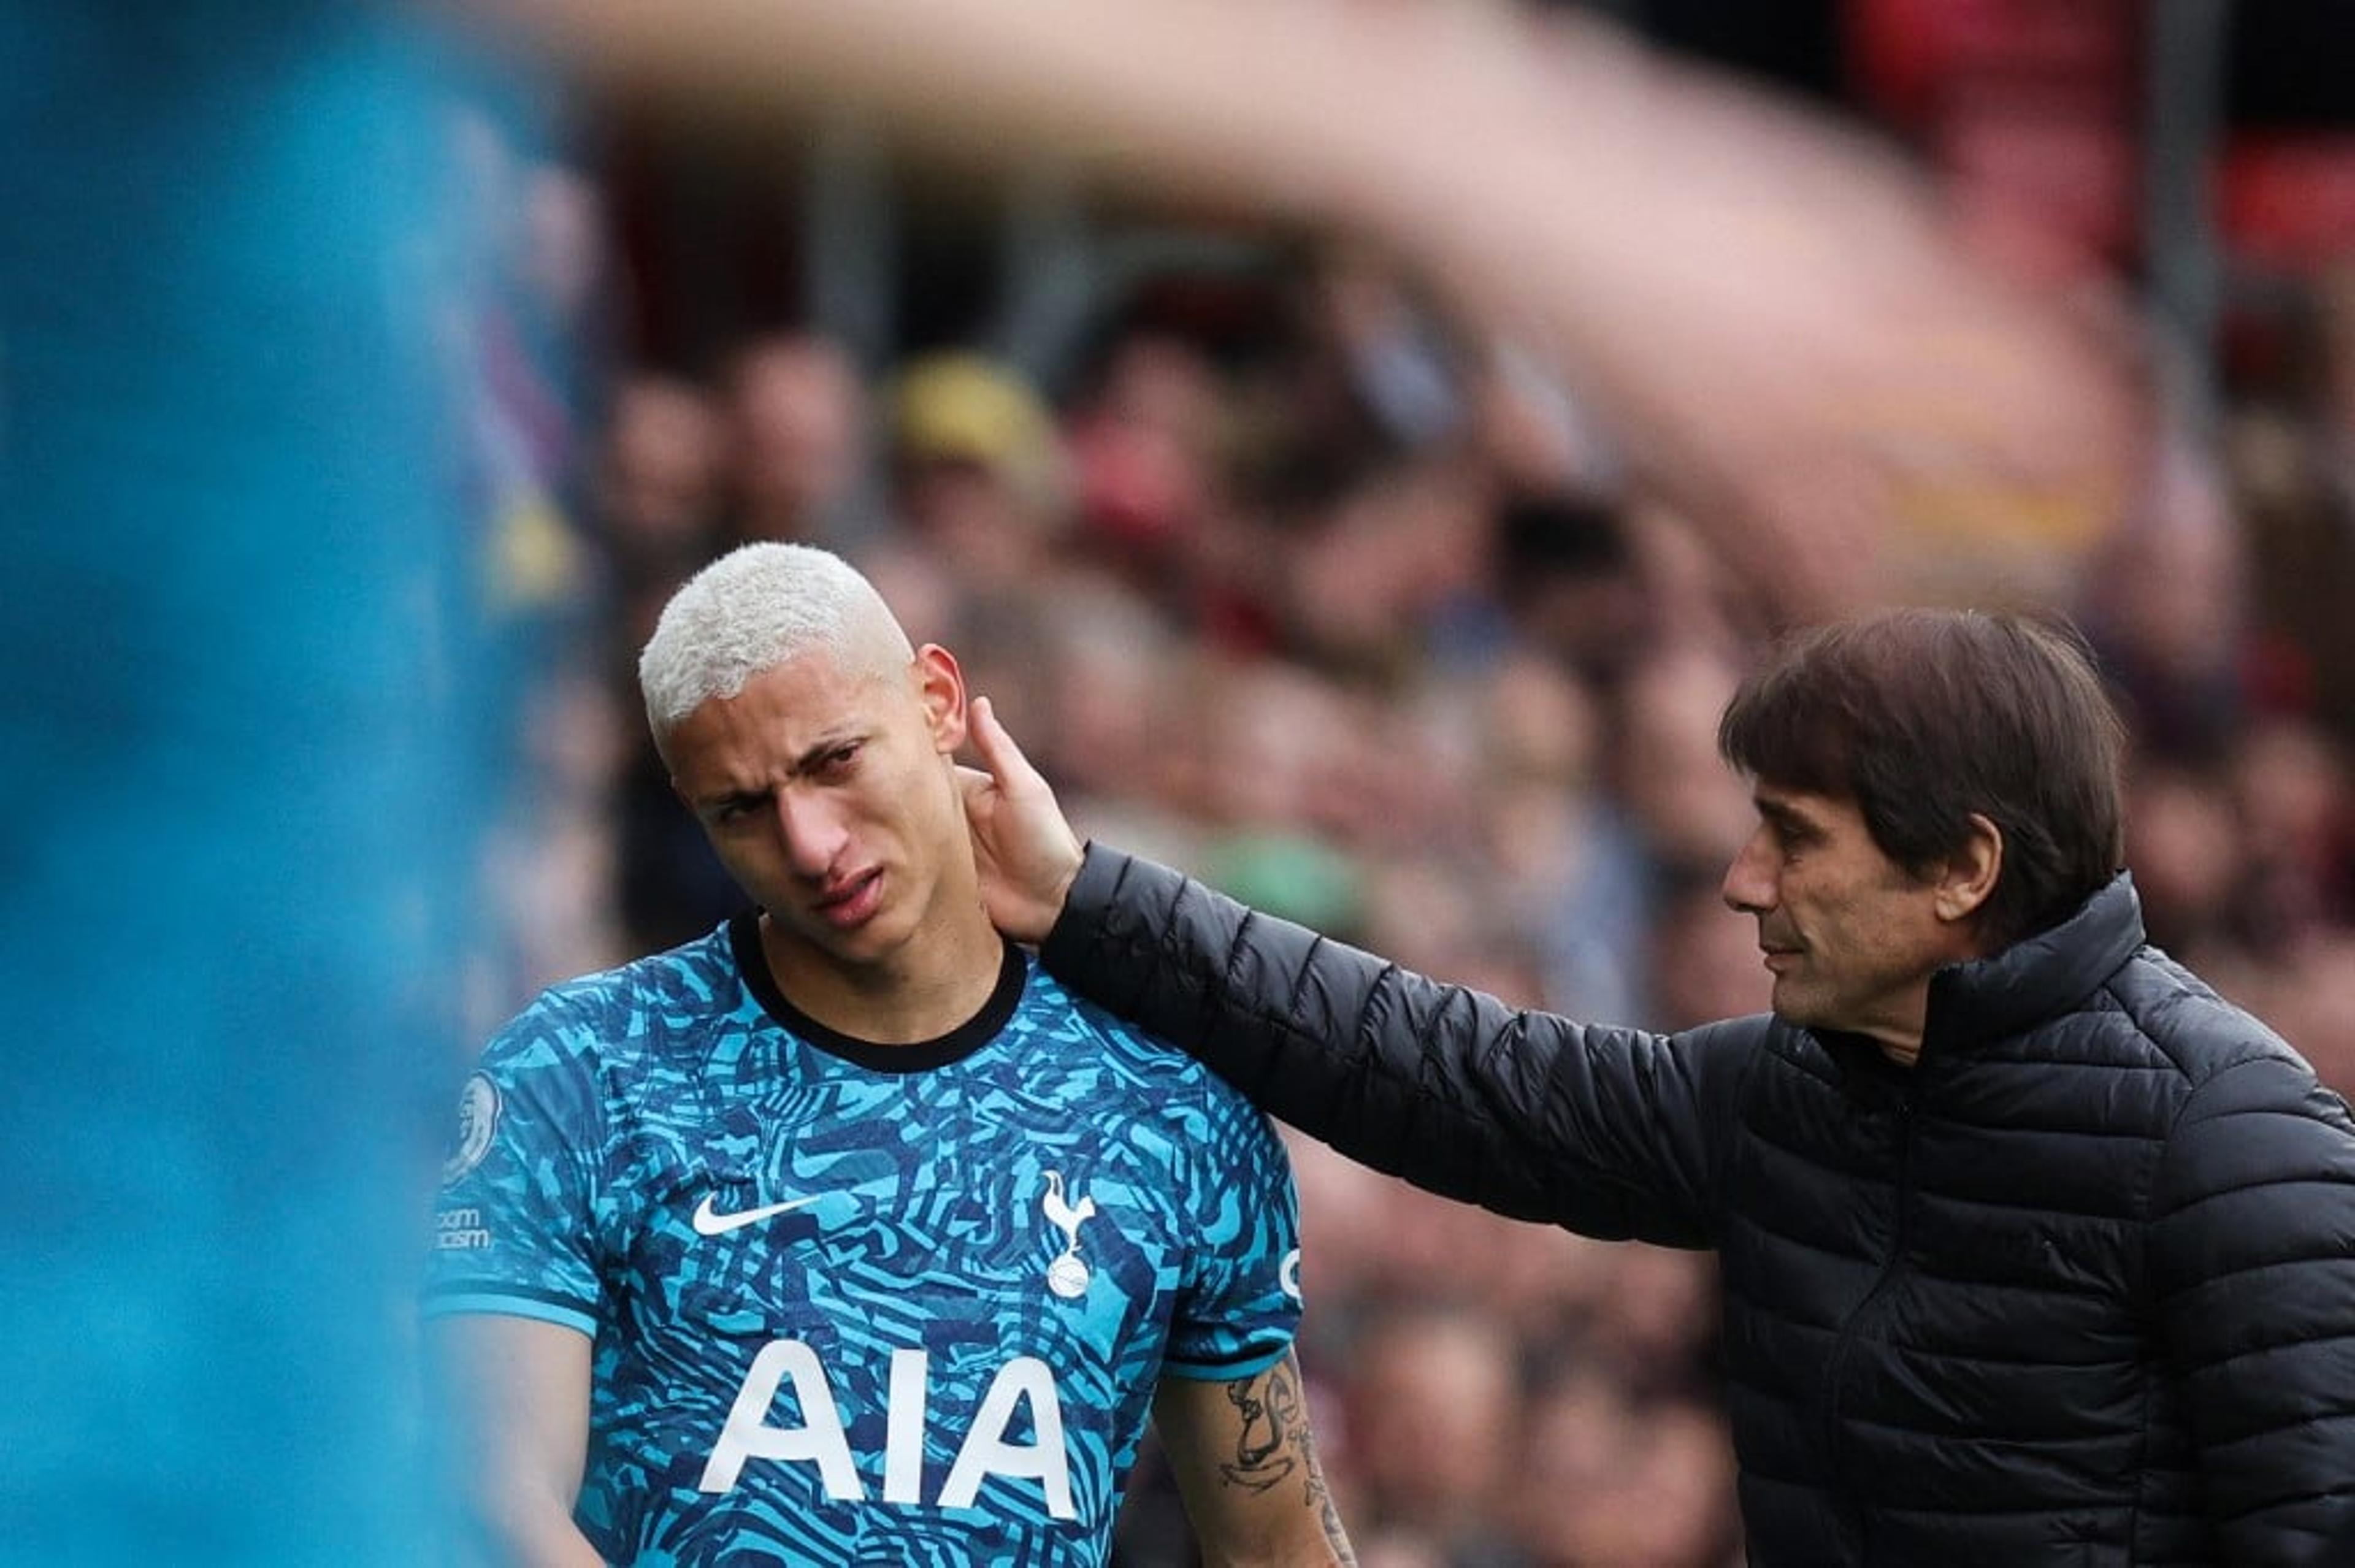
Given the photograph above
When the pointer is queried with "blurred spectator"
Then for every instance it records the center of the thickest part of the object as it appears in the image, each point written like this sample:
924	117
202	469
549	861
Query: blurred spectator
2165	606
1611	1483
1377	584
1110	675
657	495
2309	991
1569	578
1432	1405
2291	446
1653	1323
2294	487
1148	452
2190	853
1670	815
1278	736
977	472
1692	814
658	488
2292	783
801	463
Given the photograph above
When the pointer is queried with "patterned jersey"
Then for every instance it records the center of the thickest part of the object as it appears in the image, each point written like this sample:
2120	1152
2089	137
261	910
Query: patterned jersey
855	1304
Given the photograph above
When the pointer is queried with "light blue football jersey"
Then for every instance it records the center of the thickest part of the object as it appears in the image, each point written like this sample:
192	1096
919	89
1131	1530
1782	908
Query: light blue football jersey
854	1304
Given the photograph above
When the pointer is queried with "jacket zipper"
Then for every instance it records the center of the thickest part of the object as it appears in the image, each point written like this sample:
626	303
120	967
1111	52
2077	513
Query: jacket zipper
1834	1442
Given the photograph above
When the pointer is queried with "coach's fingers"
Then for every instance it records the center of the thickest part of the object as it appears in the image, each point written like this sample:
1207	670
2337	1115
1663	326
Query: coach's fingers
1025	851
998	754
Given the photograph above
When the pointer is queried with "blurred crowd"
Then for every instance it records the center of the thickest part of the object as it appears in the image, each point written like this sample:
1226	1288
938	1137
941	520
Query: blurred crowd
1358	612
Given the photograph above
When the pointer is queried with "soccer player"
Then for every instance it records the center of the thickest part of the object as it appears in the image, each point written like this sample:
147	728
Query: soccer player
843	1234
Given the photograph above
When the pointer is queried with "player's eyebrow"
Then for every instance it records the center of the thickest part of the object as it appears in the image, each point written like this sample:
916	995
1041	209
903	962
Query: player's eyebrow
718	799
815	754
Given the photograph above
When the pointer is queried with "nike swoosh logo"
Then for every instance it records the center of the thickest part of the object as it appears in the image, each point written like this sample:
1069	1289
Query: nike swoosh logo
708	1223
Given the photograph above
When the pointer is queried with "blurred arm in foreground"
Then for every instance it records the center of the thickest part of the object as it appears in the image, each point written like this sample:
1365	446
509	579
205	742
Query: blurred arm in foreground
1768	306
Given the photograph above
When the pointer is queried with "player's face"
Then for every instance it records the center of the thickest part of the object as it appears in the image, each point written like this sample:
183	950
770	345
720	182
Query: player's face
830	797
1849	936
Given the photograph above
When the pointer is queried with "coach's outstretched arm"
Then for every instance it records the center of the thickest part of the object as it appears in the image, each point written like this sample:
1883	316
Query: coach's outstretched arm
1606	1131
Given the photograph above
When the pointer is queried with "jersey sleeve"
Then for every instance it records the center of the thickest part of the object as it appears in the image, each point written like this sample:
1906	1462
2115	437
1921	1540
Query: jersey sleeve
514	1226
1240	1305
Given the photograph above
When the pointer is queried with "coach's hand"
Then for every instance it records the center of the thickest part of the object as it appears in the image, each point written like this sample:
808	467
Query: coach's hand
1026	852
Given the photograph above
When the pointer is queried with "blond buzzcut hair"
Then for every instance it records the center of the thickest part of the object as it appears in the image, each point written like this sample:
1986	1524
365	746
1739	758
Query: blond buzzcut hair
757	607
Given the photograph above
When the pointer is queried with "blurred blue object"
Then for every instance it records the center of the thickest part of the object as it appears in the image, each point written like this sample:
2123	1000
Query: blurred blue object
244	728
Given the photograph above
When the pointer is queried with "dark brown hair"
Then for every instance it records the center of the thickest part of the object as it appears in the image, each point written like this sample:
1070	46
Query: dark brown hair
1924	717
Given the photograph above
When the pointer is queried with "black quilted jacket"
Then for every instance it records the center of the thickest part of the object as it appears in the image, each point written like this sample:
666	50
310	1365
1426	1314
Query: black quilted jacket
2078	1288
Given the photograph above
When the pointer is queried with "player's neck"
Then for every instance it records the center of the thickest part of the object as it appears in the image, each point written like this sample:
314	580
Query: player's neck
932	985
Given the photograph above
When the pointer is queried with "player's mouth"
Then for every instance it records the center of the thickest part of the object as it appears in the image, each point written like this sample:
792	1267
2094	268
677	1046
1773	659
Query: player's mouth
851	903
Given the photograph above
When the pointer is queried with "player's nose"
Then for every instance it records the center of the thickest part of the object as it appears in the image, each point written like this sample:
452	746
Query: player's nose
814	831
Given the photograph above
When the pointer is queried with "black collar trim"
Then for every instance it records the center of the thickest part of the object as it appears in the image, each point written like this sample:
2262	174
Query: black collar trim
921	1056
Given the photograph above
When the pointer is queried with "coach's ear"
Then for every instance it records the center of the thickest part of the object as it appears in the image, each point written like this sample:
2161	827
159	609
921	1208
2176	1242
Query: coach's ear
940	685
1966	878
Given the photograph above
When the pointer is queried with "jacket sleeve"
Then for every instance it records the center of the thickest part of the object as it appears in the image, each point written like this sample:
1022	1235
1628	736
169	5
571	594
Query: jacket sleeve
2255	1269
1611	1132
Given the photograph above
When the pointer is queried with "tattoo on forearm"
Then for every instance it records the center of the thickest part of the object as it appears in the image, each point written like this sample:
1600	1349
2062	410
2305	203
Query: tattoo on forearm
1270	1407
1276	1442
1320	1496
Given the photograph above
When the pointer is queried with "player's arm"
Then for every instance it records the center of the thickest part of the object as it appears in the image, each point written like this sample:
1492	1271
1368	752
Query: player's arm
1246	1464
520	1389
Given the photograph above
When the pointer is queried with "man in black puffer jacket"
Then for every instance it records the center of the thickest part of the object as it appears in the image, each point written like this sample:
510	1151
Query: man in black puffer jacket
2034	1250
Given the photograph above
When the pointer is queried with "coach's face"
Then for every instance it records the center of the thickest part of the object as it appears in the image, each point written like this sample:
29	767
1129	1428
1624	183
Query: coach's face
1850	936
828	794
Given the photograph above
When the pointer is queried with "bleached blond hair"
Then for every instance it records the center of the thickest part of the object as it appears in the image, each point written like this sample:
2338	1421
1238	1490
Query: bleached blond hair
755	608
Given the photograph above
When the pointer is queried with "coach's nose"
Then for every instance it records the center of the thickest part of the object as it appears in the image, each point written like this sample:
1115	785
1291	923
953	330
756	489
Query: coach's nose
1749	884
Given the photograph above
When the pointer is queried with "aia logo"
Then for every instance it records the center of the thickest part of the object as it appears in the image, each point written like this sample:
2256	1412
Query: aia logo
985	1449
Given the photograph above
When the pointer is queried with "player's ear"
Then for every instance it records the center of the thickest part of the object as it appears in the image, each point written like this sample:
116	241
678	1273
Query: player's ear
940	686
